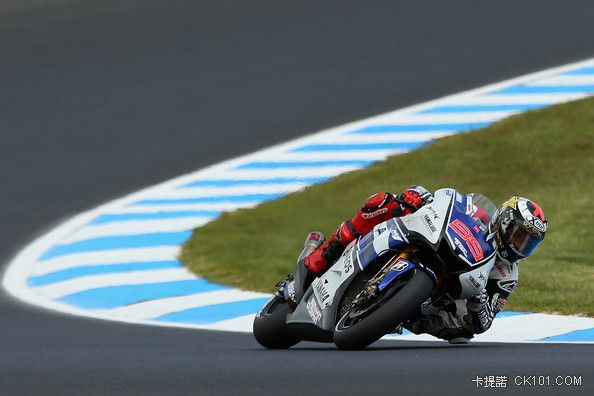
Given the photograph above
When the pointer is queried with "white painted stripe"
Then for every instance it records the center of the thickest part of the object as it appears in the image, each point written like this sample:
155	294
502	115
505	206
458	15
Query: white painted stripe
454	118
323	171
154	308
514	99
162	253
223	206
519	328
377	138
228	191
565	80
134	227
534	327
365	155
64	288
256	188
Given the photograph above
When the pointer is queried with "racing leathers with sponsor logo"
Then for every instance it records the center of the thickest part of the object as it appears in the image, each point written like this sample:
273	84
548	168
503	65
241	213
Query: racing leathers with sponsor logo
452	320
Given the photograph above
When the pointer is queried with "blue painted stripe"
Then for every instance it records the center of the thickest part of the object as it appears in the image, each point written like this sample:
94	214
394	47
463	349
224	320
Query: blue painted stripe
578	335
400	128
110	218
483	108
77	272
118	296
302	164
118	242
506	314
248	182
585	70
362	146
212	199
543	89
215	313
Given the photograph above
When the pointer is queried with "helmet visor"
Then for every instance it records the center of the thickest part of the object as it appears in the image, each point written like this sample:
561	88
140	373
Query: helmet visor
521	241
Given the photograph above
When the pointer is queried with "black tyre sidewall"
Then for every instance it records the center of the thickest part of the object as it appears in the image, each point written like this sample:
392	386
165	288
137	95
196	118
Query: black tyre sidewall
270	328
394	311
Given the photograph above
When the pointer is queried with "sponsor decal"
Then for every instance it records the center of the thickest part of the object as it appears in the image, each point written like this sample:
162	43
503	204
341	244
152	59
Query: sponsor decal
433	212
322	292
429	223
348	264
461	247
474	282
313	311
535	225
500	269
400	265
371	215
538	224
507	285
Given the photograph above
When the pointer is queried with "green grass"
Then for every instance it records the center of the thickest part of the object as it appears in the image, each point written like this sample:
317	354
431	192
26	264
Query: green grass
546	155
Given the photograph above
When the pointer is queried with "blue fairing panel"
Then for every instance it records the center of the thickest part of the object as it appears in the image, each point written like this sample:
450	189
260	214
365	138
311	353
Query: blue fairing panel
466	236
385	236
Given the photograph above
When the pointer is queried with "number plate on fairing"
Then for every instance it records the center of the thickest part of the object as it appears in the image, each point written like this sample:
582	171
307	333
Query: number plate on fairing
467	238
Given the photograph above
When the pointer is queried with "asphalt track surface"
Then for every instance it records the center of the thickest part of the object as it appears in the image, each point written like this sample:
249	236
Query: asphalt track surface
101	98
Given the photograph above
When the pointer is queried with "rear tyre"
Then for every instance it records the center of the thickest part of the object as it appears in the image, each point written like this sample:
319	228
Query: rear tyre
355	332
270	327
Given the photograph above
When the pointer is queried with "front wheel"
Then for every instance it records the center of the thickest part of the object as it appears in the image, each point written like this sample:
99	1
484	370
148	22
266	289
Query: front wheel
270	327
362	326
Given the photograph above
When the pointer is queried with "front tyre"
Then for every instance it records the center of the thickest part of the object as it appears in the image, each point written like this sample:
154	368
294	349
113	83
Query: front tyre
355	332
270	328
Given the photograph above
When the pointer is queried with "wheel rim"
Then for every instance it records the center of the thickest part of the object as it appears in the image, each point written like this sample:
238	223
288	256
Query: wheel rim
356	314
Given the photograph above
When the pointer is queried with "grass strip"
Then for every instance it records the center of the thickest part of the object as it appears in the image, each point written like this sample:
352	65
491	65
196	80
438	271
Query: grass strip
546	155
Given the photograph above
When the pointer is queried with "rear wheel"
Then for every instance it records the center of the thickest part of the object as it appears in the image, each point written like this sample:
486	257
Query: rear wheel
363	324
270	327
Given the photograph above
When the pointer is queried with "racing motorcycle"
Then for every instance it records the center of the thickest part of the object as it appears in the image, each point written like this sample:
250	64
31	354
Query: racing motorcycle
403	269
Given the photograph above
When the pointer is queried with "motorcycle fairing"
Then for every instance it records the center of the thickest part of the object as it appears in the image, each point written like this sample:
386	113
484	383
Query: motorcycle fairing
319	305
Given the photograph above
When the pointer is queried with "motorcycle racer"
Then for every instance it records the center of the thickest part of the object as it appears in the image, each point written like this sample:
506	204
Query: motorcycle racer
518	226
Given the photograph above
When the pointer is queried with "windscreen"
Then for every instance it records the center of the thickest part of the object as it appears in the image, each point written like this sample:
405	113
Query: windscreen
485	209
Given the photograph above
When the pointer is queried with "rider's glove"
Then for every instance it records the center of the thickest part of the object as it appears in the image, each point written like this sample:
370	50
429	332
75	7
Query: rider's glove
478	302
410	200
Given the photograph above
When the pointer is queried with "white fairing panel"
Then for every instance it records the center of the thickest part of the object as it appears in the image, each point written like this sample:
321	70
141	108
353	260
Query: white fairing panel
473	282
428	221
326	285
